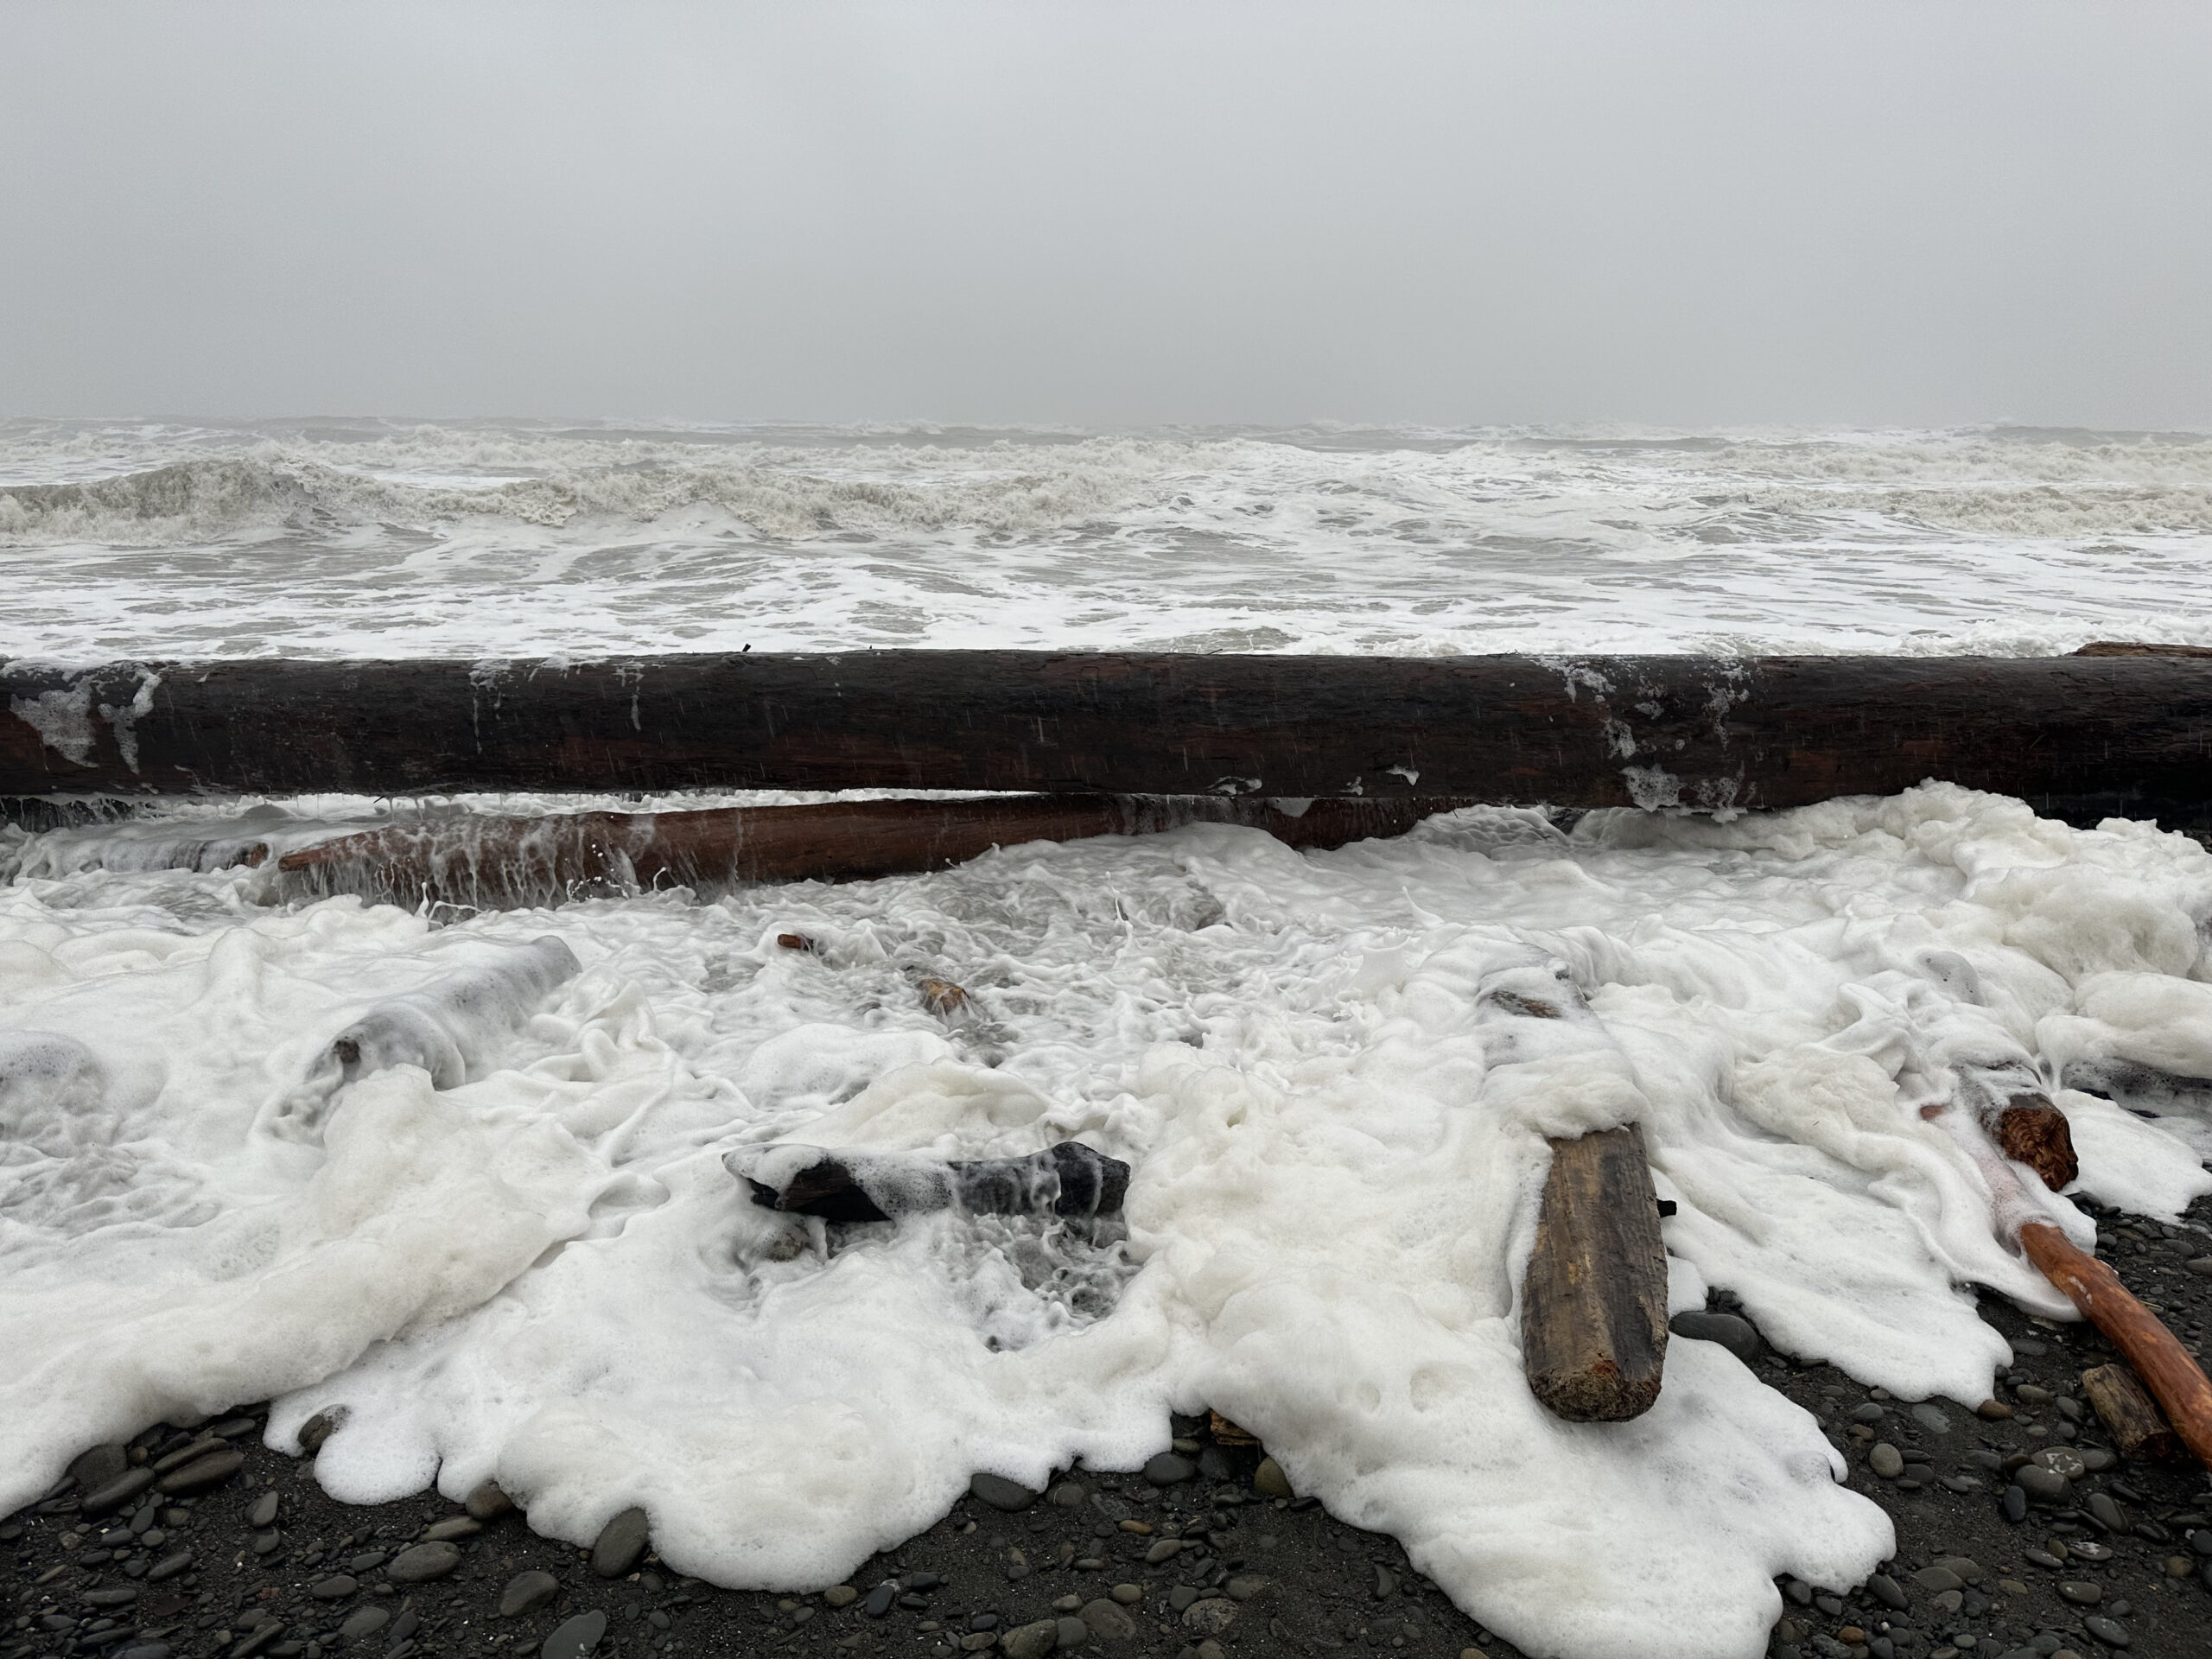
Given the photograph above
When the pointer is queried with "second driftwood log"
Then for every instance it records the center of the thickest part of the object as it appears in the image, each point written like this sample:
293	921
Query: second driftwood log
495	860
1593	1304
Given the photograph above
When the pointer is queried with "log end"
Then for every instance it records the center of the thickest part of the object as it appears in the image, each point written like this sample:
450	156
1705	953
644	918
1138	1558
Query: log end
2032	1131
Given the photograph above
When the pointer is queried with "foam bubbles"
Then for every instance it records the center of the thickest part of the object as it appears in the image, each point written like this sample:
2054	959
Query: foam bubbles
545	1271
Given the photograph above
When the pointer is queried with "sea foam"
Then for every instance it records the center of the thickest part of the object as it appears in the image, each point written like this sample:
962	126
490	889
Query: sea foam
545	1272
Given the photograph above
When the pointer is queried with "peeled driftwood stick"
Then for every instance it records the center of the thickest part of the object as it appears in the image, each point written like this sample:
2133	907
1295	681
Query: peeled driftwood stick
1594	1306
2175	1380
2078	737
2138	1427
494	861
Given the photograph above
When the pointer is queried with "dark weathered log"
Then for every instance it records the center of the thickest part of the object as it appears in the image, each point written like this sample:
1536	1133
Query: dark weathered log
1593	1305
1068	1179
2078	737
2139	1427
488	860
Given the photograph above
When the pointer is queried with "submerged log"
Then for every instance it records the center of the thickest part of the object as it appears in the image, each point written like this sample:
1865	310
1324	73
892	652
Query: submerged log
2077	737
489	860
1593	1305
1068	1181
2139	1427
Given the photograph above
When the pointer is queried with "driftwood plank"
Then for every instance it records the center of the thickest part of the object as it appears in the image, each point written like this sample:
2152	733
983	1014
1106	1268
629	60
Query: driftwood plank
1593	1304
2139	1427
2077	737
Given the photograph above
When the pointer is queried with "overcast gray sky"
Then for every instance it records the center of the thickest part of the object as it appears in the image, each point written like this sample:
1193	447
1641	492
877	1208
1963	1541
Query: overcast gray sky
1106	213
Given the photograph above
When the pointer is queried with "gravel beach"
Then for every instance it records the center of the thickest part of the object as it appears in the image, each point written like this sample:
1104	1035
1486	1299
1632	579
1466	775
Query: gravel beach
2021	1531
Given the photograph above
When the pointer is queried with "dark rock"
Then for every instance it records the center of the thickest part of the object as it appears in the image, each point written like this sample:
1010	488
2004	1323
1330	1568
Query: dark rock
526	1592
488	1503
455	1526
1386	1582
317	1429
2108	1512
204	1473
97	1466
264	1512
185	1453
336	1588
1169	1468
576	1638
1885	1460
1031	1641
2082	1592
1870	1414
2108	1631
368	1562
169	1566
117	1492
1108	1620
362	1623
620	1544
2041	1485
1214	1464
118	1595
1734	1334
1000	1493
1887	1590
424	1562
879	1599
2014	1505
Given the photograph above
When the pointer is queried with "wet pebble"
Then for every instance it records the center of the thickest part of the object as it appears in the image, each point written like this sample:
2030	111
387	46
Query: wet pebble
1031	1641
879	1599
362	1623
117	1492
96	1467
526	1592
204	1473
458	1525
1885	1460
839	1595
2080	1592
1169	1469
335	1588
2015	1504
2109	1632
2041	1485
1108	1620
488	1502
1000	1493
263	1511
1735	1334
423	1563
1931	1417
1269	1479
575	1638
620	1544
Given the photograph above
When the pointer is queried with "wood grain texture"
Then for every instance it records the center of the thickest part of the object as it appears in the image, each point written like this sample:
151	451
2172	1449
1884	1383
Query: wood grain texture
2077	737
2139	1427
2032	1130
1594	1303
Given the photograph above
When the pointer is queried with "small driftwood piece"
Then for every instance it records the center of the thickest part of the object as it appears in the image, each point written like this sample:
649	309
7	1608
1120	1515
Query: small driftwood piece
1068	1179
1593	1305
2139	1427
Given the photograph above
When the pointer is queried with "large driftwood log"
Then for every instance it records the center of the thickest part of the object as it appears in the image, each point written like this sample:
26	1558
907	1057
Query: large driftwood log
2077	737
492	861
1593	1304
